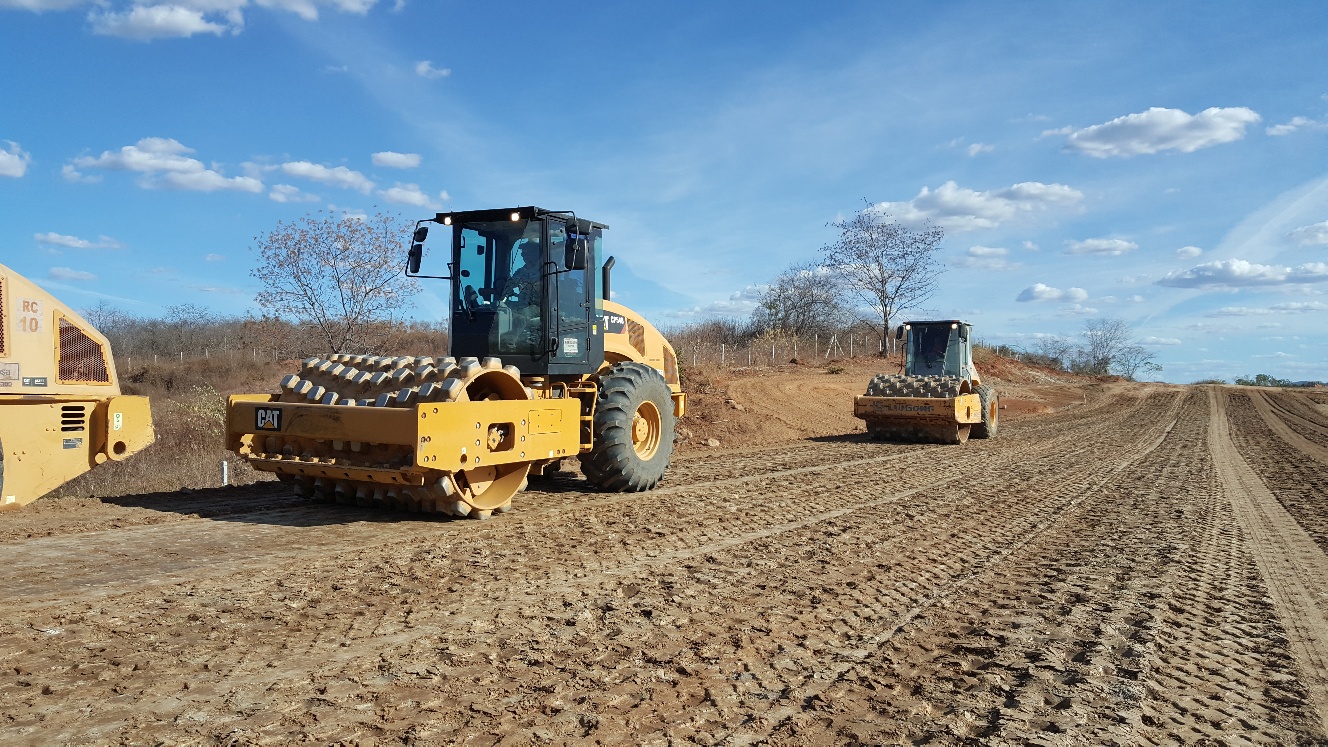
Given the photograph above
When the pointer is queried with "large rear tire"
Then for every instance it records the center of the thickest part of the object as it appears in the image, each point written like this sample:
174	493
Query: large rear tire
633	430
991	412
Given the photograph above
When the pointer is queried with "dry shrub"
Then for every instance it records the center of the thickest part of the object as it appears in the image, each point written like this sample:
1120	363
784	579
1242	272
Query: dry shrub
189	416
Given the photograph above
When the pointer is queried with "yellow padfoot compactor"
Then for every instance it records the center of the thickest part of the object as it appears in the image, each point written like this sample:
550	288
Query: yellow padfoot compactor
542	367
939	397
61	411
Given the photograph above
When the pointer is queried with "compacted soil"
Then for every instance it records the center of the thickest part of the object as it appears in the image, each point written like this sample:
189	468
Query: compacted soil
1125	563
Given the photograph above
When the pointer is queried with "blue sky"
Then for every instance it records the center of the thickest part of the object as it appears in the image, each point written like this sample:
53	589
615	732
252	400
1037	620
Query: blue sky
1160	163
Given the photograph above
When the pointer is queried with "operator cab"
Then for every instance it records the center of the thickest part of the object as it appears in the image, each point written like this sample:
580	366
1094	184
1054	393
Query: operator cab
523	288
938	348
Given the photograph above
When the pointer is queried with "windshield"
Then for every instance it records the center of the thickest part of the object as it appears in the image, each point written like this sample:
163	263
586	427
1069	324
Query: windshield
927	349
500	282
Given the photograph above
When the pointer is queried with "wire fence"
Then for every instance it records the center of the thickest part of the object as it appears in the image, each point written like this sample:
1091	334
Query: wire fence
767	351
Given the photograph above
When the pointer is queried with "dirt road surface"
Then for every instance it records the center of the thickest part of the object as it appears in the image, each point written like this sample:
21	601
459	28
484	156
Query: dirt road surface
1126	564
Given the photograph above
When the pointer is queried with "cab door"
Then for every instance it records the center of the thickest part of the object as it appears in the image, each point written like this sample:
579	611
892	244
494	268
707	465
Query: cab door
570	305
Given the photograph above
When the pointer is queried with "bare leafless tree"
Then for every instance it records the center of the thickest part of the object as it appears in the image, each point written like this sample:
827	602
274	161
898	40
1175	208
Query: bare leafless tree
885	264
342	275
802	300
1109	347
1056	351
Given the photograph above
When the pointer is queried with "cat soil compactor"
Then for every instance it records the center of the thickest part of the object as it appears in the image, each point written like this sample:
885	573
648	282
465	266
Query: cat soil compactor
61	411
542	367
938	397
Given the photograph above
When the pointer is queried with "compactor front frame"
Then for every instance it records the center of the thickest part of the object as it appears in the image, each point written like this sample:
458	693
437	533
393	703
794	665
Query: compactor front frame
441	437
947	420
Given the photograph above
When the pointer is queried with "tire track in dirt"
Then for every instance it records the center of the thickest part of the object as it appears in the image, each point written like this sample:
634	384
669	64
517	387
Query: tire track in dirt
1299	483
1129	620
164	554
1293	566
419	570
826	694
1294	423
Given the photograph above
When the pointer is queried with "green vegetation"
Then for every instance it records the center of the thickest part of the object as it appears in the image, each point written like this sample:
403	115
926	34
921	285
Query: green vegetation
1262	380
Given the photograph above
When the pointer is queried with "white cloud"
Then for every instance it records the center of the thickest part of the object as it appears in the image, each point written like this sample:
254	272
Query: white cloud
72	174
394	160
425	69
1078	310
290	193
66	273
1238	273
1294	307
1297	123
1279	355
14	160
152	19
962	209
1312	235
1043	292
1100	247
978	148
308	9
163	163
1030	246
339	176
39	6
213	289
214	258
208	180
411	194
352	213
987	258
147	22
1160	341
74	242
1188	252
739	304
1160	129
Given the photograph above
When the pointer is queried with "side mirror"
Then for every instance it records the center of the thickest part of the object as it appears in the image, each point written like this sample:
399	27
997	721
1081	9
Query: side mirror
576	258
963	333
414	257
421	233
899	332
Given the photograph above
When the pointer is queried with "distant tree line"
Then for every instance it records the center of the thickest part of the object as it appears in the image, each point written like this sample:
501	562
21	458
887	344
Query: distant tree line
192	331
1105	346
1263	380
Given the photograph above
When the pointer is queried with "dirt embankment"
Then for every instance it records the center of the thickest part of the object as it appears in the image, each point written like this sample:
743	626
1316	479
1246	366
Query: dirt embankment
746	407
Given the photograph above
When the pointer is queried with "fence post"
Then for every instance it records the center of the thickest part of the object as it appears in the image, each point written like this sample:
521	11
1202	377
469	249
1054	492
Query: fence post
816	344
723	355
749	355
850	346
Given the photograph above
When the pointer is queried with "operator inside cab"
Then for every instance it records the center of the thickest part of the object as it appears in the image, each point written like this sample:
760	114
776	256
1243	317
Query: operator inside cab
519	295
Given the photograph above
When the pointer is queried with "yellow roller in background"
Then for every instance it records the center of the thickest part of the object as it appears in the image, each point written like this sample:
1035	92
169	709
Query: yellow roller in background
61	411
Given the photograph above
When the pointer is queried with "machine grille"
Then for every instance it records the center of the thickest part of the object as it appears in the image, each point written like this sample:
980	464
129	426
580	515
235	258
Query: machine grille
670	367
636	334
82	360
73	418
